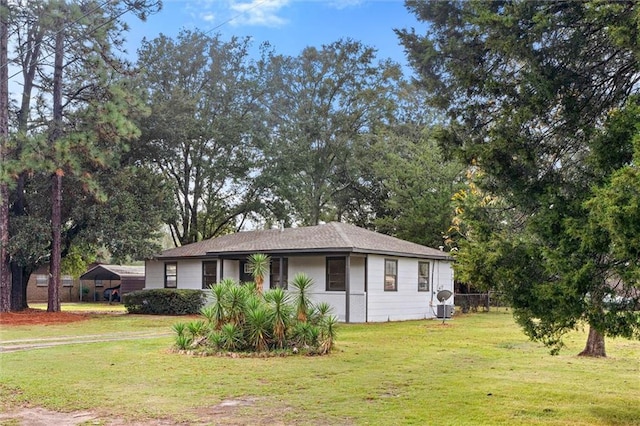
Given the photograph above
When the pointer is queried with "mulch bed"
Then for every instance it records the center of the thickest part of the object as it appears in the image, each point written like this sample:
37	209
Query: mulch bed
39	317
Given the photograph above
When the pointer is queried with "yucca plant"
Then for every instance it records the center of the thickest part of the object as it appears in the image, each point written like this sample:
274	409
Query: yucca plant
235	303
196	328
305	335
183	341
327	334
258	328
209	314
215	339
302	284
179	328
253	302
319	312
259	266
218	304
281	312
231	337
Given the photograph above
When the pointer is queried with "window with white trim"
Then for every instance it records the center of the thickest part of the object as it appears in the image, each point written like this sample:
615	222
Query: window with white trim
390	275
209	274
336	273
171	275
423	276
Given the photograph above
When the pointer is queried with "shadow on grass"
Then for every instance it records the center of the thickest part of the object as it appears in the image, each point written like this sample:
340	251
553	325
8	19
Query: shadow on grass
617	415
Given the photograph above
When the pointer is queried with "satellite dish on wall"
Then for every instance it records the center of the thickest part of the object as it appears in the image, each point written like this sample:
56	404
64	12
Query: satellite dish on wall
443	295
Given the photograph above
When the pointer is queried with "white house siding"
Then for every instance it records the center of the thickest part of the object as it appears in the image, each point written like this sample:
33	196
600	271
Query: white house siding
190	274
315	267
153	274
230	269
407	302
357	294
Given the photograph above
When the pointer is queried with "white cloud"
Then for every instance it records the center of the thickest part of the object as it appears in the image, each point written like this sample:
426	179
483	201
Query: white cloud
344	4
258	12
208	16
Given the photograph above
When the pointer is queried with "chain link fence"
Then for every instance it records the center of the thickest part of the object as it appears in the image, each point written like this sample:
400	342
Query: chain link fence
475	302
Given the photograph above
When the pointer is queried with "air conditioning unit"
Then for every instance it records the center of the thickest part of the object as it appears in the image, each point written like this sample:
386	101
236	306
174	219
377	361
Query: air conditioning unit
444	311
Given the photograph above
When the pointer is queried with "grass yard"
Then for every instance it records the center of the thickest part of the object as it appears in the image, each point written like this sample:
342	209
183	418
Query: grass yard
476	369
100	307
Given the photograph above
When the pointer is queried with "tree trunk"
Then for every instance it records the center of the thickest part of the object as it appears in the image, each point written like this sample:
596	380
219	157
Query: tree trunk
56	184
595	344
56	221
19	274
5	273
19	279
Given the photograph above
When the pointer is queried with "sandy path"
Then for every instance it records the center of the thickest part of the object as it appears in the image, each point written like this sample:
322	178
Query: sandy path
47	342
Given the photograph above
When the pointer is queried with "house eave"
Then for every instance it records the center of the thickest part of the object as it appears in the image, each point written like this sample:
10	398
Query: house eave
305	252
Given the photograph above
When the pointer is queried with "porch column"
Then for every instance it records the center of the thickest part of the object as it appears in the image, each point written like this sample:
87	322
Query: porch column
347	291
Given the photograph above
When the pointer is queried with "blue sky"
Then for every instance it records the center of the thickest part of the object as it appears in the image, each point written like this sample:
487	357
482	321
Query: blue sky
289	25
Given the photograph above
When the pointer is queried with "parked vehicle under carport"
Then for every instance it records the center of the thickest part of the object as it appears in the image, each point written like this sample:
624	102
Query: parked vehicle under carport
112	294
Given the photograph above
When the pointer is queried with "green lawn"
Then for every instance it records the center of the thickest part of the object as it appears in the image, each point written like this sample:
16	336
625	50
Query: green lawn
476	369
84	307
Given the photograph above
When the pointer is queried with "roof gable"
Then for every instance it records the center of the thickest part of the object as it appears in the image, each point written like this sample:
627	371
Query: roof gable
330	237
113	272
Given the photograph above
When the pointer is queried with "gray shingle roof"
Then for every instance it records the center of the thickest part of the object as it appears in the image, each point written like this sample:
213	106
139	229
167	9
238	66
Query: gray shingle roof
113	272
330	237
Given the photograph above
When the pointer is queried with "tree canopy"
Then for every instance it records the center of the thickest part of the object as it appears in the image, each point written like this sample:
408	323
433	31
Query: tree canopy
535	94
74	120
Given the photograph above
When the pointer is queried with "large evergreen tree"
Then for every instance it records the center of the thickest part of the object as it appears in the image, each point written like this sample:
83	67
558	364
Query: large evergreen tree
532	91
74	118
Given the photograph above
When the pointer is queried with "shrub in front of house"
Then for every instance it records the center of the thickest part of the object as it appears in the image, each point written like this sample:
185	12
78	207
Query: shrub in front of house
241	320
164	301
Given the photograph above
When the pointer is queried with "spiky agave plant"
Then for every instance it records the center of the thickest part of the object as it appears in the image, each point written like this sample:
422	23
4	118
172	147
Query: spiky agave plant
231	337
179	328
319	312
306	335
182	340
216	339
235	303
258	328
281	313
218	304
302	284
259	266
327	334
196	328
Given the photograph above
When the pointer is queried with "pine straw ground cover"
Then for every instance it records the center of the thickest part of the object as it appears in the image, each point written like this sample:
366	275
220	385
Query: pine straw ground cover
476	369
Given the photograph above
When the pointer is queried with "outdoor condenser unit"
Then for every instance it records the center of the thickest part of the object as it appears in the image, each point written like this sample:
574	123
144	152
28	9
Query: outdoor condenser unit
444	311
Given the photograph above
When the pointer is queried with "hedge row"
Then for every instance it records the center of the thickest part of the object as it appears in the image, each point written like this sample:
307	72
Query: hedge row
165	301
